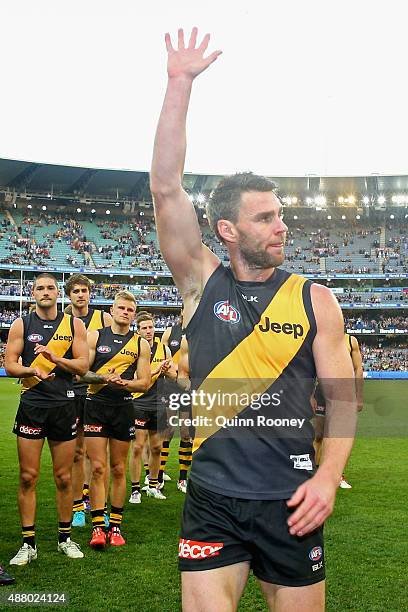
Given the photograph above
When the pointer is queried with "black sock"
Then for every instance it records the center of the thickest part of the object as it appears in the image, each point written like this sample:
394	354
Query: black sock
115	517
28	534
64	531
136	487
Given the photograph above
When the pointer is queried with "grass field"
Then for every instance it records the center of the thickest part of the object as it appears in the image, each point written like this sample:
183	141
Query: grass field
366	541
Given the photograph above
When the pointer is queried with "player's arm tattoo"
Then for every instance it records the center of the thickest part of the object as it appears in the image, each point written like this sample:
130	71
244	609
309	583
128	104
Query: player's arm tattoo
93	379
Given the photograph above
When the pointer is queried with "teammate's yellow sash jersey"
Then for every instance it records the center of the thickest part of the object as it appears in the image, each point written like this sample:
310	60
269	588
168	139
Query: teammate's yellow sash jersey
92	321
149	399
174	342
58	336
114	352
252	368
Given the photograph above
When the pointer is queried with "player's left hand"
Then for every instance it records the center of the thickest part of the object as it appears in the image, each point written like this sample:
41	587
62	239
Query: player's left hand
115	380
314	502
45	352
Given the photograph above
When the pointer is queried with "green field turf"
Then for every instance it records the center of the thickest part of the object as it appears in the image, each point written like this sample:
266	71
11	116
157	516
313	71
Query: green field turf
366	541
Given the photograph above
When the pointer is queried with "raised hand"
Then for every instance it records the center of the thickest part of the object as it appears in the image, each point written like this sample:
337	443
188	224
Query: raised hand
188	62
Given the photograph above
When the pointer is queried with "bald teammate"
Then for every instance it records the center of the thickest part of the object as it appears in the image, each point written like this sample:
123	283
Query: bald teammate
52	346
254	498
78	289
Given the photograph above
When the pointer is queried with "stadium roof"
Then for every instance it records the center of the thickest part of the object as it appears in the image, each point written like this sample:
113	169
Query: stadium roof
31	177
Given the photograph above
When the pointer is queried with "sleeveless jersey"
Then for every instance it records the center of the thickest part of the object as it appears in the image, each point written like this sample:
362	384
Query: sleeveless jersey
174	342
150	399
347	338
176	334
252	370
58	336
92	321
114	351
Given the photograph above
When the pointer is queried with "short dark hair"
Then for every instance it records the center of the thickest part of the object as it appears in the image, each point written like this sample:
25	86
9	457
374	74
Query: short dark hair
45	275
143	316
225	200
77	279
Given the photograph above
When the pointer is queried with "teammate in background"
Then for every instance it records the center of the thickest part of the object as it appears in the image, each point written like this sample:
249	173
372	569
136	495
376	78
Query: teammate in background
249	322
120	366
53	348
319	402
78	289
172	339
150	413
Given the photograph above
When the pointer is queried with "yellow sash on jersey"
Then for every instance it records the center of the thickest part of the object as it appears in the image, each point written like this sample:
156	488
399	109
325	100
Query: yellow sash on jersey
119	362
96	321
59	345
258	360
158	356
176	357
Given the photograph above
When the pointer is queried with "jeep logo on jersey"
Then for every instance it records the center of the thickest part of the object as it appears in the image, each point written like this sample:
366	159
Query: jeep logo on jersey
104	349
58	337
287	328
316	553
190	549
128	353
35	338
225	312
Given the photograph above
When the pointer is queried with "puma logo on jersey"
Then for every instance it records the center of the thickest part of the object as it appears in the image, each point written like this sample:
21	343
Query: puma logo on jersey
287	328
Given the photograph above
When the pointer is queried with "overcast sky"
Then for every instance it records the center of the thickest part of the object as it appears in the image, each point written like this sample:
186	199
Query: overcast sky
302	87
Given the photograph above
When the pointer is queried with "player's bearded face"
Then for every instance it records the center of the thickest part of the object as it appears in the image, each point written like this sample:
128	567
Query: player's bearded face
261	231
257	255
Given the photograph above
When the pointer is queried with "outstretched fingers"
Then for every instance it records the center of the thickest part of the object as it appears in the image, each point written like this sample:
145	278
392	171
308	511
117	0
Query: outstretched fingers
211	58
193	38
180	36
204	43
167	39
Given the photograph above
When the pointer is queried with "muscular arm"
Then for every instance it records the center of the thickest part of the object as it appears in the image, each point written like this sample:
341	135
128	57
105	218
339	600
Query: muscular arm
14	349
90	377
107	319
190	262
142	379
79	363
166	336
183	379
314	499
358	371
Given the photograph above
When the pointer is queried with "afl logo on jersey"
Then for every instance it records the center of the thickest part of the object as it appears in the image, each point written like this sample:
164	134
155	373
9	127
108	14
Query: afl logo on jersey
104	349
225	312
35	338
174	343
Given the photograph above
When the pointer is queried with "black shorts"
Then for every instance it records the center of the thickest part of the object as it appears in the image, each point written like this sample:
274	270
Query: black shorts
217	531
151	420
80	409
56	421
109	421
